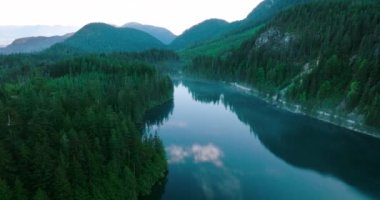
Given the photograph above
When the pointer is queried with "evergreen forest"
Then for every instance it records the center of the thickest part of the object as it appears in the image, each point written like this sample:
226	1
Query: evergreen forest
73	128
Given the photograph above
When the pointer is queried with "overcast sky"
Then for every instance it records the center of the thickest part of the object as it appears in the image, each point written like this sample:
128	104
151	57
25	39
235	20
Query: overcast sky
176	15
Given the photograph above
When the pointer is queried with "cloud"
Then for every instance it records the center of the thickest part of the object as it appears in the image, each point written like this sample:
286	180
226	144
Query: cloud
198	153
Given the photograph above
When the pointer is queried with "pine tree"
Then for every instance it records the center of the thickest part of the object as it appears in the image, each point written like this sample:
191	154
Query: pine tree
41	195
61	185
19	192
5	191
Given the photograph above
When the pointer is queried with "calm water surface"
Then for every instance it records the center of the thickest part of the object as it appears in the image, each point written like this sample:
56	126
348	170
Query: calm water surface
222	143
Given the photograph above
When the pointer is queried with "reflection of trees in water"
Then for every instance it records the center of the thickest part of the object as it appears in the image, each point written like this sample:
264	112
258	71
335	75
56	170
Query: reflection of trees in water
203	93
176	81
158	115
302	141
158	190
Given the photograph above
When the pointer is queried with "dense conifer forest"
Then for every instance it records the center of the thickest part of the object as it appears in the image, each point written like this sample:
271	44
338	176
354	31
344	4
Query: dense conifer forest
72	116
323	55
72	128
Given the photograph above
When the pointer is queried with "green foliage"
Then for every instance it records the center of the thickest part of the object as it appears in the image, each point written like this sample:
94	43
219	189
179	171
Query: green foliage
13	67
71	129
19	193
220	45
5	191
40	195
268	9
324	54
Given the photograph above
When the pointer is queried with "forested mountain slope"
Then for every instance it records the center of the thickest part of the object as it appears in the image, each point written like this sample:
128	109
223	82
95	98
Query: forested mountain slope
104	38
267	9
199	33
233	34
322	55
220	45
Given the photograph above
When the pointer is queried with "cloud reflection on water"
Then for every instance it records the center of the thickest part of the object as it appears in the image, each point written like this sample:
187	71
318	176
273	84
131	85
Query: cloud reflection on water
199	153
219	184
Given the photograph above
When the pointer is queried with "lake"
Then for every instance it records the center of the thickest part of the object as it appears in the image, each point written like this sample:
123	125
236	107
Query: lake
223	143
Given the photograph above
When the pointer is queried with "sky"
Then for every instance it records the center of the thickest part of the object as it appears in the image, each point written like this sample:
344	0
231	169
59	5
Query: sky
175	15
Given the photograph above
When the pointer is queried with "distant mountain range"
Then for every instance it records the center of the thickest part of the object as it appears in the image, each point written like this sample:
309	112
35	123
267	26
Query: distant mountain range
97	37
162	34
100	37
32	44
9	33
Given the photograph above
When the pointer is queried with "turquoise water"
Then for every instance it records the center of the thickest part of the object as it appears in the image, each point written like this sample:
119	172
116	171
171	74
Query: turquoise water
222	143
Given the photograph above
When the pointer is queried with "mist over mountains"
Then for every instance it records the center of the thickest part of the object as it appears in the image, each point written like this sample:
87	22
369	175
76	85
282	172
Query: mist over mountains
9	33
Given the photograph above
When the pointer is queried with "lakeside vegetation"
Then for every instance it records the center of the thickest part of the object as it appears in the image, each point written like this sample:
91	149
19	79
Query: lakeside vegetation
71	116
70	129
323	55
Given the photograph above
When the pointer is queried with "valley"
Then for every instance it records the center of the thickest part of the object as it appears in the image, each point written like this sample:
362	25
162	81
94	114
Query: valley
282	104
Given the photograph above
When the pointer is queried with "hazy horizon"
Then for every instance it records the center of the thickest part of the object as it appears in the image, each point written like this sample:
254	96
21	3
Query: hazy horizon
174	15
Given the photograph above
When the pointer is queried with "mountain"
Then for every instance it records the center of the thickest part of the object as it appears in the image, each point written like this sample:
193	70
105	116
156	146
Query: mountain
323	56
11	33
233	34
32	44
162	34
263	13
199	33
100	37
269	8
220	45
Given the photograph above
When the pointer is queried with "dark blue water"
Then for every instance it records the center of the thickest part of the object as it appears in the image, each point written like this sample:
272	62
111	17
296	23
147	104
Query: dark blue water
222	143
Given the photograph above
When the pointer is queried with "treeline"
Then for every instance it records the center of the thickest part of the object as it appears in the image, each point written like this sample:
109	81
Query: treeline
20	65
323	55
72	129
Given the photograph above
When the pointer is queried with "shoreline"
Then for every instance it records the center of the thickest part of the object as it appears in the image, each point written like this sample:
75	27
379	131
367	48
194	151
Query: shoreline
324	116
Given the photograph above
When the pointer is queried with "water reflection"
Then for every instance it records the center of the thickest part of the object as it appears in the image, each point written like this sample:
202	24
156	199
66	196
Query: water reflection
158	115
177	124
301	141
152	119
209	153
217	184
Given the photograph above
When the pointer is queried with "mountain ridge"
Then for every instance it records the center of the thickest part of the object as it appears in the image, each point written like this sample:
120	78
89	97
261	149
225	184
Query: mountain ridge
330	67
199	33
102	38
32	44
9	33
162	34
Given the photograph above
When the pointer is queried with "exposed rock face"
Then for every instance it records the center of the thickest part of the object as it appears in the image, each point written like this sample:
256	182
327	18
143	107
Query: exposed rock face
275	39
